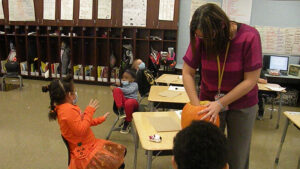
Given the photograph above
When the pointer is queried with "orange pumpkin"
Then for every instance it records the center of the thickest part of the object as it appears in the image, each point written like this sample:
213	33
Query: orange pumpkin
190	113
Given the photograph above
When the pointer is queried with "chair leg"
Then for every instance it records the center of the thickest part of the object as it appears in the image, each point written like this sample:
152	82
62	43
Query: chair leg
3	83
21	82
112	128
271	115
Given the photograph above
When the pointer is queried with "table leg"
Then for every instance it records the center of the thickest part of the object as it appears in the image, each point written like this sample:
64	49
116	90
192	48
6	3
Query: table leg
149	159
136	145
282	140
279	110
151	104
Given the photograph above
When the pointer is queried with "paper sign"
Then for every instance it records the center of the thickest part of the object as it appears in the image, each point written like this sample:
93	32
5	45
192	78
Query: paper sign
166	10
49	9
134	13
104	9
66	10
1	10
21	10
86	9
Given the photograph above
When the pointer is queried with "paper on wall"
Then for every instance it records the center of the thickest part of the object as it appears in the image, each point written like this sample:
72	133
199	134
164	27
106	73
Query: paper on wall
1	10
195	4
86	9
238	10
104	9
296	44
134	13
49	9
66	10
166	10
21	10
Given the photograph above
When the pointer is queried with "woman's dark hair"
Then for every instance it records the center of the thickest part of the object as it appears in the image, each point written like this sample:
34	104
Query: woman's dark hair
214	24
132	73
58	90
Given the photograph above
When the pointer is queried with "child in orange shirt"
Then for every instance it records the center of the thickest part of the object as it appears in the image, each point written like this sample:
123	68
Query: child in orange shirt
86	151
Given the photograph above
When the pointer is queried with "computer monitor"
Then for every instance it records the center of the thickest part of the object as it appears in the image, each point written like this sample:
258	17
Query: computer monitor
279	62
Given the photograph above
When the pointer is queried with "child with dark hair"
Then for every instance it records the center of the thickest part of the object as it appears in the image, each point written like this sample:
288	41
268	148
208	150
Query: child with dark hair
125	97
86	151
202	145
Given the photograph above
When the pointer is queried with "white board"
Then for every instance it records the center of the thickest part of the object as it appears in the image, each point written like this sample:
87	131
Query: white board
238	10
21	10
195	4
1	10
49	9
134	13
166	10
66	10
86	9
104	9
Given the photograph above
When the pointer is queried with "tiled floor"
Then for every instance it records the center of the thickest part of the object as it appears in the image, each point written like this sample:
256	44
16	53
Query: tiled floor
29	141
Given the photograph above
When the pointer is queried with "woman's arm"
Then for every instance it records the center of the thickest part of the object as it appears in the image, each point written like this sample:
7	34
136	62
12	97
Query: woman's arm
188	76
250	80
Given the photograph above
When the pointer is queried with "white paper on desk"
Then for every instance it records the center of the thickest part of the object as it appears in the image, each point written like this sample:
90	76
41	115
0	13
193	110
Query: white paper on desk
197	3
66	10
166	10
86	9
21	10
1	10
49	9
104	9
275	87
293	113
179	112
177	88
238	10
134	13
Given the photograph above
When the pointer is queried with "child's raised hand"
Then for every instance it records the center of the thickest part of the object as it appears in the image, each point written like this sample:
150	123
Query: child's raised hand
94	103
112	87
106	115
118	83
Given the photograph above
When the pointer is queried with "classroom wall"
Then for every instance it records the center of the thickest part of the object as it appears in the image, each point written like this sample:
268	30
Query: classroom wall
278	13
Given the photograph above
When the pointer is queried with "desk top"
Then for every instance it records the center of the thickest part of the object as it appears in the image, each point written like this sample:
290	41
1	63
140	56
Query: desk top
145	129
155	97
295	118
283	77
264	88
170	79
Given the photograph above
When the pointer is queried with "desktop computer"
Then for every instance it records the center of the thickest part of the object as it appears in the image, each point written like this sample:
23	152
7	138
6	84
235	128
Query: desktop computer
279	63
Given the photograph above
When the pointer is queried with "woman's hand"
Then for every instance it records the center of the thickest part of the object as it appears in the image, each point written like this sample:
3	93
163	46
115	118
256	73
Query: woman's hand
212	110
106	115
94	103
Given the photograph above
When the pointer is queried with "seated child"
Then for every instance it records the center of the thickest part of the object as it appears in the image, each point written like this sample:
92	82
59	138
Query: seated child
201	145
143	76
86	151
125	97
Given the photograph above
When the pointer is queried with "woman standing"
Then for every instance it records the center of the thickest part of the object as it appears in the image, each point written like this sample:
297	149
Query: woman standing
231	58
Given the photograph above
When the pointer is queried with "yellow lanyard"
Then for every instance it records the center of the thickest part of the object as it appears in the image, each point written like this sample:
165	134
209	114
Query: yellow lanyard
220	74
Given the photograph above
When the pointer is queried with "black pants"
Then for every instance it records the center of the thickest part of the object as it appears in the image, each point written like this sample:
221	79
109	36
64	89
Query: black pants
262	97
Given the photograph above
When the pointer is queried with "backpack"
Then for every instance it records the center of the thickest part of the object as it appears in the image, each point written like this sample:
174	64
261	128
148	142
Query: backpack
149	76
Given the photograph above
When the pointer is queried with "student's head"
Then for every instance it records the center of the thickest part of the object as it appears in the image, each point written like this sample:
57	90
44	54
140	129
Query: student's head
201	145
212	25
128	76
138	64
60	91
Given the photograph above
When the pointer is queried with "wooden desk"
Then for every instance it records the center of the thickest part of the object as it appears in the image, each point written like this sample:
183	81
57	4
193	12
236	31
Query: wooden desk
155	97
295	119
283	77
145	129
169	79
263	87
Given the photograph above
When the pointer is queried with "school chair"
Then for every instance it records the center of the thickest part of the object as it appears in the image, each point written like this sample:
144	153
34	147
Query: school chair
67	146
11	73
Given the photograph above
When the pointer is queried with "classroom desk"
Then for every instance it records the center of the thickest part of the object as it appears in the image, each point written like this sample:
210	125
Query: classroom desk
155	97
295	119
264	88
169	79
144	129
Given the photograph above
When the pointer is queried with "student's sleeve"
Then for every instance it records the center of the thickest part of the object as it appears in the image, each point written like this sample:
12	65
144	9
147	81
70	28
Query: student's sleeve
253	53
97	121
79	124
193	60
130	88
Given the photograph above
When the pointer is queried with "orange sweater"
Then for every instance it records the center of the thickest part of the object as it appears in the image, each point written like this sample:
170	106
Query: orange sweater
87	151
